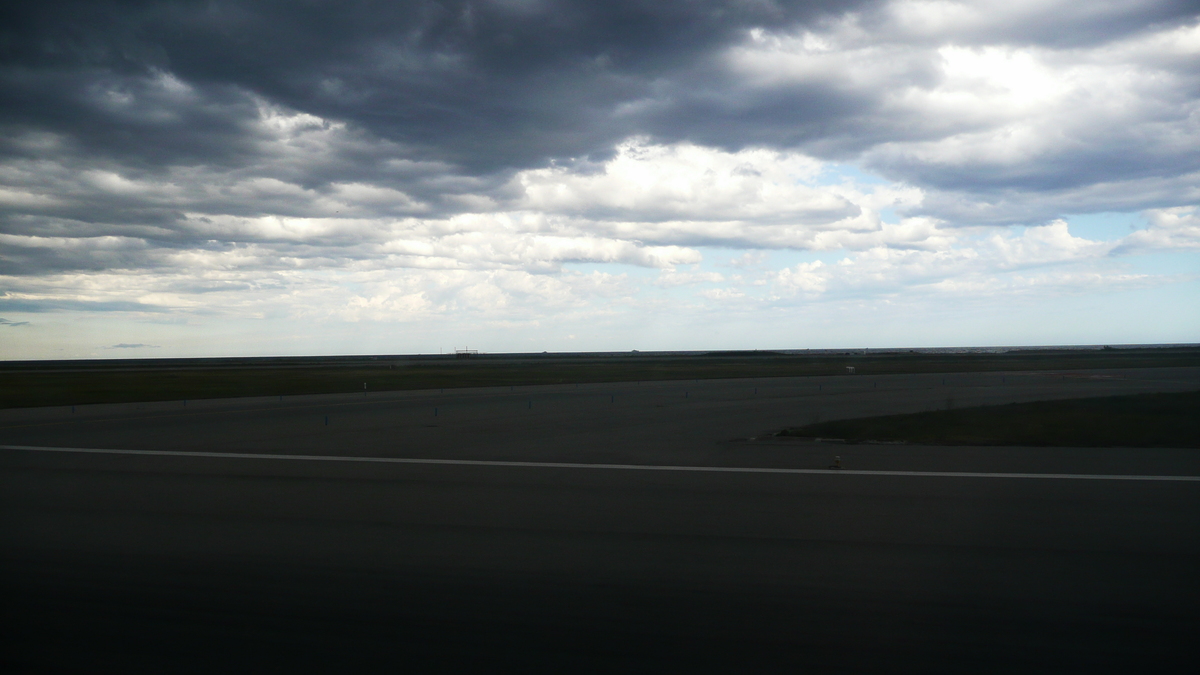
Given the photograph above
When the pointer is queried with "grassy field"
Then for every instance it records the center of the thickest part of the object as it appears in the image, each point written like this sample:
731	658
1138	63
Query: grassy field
25	384
1142	420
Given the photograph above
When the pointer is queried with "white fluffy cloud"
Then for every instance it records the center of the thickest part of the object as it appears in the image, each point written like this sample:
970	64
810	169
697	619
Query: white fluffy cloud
1045	255
653	206
1007	129
657	183
1177	228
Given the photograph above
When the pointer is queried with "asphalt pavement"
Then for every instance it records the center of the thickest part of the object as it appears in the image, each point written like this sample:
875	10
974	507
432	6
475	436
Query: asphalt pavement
584	537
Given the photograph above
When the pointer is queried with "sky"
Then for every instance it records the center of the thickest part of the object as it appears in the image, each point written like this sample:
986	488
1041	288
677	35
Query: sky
306	177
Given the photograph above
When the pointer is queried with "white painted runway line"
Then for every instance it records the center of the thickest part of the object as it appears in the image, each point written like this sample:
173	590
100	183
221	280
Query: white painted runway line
603	467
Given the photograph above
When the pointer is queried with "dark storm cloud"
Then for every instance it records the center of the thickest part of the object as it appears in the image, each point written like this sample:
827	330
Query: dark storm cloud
485	85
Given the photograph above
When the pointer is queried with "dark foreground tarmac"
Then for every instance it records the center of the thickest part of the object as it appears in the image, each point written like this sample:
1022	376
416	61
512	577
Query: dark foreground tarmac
120	562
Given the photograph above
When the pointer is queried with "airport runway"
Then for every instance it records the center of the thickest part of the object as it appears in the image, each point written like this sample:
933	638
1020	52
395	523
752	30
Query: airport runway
689	422
243	564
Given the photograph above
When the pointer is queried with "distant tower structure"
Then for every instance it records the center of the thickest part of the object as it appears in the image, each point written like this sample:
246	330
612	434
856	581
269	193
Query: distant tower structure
465	353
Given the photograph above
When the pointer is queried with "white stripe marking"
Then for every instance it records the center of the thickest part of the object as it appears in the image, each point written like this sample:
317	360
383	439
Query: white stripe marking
616	467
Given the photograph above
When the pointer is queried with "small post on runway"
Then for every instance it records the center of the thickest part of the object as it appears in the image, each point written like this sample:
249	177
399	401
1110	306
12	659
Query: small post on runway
435	411
327	420
72	410
530	403
612	398
837	462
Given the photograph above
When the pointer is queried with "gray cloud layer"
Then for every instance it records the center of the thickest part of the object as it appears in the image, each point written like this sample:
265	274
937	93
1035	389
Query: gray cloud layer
488	87
229	146
484	85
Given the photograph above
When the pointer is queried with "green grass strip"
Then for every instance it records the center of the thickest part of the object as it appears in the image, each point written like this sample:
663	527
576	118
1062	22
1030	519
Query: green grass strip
1140	420
48	383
